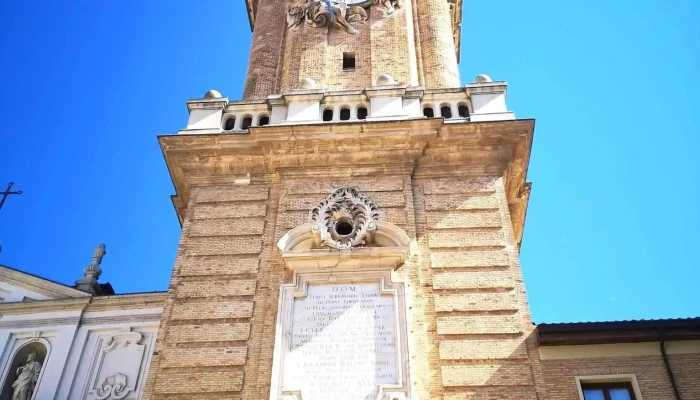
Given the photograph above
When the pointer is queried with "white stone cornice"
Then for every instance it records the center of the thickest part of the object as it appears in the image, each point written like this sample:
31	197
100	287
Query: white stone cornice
39	285
299	255
43	306
490	87
207	104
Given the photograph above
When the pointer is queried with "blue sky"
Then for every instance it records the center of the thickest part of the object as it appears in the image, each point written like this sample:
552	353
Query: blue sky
613	227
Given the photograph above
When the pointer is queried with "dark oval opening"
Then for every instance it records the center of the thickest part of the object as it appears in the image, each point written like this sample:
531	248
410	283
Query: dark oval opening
328	114
230	123
264	120
428	112
246	123
344	114
343	228
446	112
463	111
362	113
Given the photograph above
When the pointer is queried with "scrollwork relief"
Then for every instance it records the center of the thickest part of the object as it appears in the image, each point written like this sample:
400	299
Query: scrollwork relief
344	219
325	13
113	387
388	6
117	366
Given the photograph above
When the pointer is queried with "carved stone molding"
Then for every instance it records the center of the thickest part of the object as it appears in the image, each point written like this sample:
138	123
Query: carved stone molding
346	218
113	387
316	13
116	367
295	383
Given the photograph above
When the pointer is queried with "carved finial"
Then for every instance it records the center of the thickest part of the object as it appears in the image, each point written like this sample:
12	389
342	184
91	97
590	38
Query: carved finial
308	83
483	78
94	270
212	95
91	273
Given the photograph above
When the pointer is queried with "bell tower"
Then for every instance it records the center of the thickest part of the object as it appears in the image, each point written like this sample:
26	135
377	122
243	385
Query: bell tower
348	45
351	227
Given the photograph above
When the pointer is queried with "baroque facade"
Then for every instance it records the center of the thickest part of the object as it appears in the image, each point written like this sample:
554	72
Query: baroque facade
350	230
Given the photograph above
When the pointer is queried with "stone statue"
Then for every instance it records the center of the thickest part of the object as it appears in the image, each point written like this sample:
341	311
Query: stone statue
317	14
388	6
27	376
94	268
100	251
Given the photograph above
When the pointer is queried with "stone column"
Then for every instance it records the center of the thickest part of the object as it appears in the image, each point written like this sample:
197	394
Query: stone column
437	47
265	53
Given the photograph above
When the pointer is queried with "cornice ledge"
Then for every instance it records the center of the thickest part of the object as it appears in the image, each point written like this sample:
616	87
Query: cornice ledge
207	104
128	301
39	285
299	257
43	306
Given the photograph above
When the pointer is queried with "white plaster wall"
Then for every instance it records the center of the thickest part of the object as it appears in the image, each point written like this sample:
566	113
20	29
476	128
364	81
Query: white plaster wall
13	294
73	350
204	119
304	111
489	103
412	108
88	358
386	107
58	335
278	114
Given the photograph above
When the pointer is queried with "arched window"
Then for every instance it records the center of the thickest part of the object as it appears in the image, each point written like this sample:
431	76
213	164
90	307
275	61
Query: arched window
328	114
230	123
344	114
263	120
463	111
446	111
361	112
428	112
246	122
31	359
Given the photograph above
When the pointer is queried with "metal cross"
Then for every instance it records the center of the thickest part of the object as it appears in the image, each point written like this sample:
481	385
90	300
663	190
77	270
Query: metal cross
7	192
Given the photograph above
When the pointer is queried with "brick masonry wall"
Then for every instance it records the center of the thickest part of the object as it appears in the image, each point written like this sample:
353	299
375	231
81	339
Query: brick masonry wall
649	370
469	322
476	310
386	44
209	342
264	69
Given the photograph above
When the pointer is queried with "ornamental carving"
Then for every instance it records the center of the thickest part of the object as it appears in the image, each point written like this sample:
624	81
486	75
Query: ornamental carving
388	6
325	13
344	219
116	367
113	387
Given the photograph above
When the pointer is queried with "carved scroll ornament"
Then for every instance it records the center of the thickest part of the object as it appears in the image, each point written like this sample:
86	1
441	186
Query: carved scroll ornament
113	387
388	6
317	13
344	219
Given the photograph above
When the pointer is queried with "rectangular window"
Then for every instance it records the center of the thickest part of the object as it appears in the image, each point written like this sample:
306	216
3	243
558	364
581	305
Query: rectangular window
608	391
348	61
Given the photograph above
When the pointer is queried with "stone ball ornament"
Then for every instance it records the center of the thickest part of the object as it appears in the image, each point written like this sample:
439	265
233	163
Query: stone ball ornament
385	79
212	94
308	83
482	78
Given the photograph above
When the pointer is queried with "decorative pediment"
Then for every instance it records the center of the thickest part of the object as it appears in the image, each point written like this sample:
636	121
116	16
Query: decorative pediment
344	231
17	287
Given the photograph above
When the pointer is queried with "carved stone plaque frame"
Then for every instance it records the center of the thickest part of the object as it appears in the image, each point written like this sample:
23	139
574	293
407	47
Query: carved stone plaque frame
299	290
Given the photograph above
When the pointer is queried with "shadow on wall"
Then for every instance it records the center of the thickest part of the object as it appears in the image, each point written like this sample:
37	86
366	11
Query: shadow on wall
20	360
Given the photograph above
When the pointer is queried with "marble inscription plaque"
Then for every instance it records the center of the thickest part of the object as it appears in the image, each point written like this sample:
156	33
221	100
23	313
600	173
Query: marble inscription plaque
343	342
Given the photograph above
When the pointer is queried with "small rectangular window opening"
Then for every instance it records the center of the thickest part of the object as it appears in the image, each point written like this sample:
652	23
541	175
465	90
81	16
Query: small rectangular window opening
348	61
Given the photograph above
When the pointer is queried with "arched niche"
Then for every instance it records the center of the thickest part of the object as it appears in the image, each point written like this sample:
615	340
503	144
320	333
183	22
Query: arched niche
20	359
387	248
344	232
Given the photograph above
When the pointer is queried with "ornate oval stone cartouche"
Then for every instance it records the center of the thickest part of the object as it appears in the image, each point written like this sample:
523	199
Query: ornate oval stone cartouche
344	218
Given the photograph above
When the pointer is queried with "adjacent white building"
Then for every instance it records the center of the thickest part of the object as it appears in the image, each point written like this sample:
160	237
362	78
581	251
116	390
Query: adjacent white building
89	343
